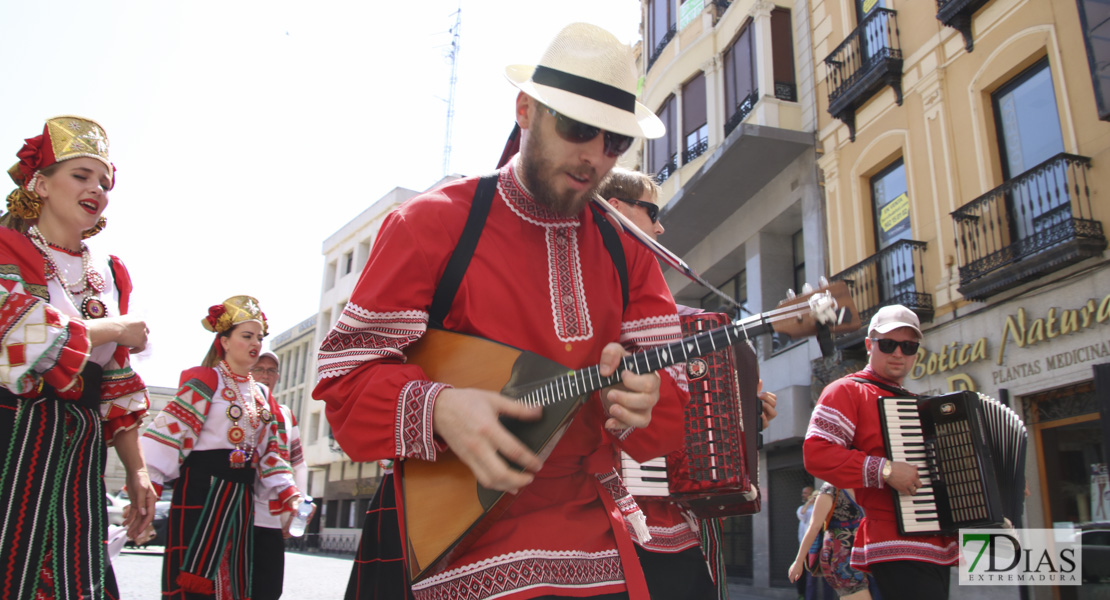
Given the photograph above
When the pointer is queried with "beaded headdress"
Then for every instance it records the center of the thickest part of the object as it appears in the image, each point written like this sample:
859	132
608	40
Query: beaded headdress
234	310
62	138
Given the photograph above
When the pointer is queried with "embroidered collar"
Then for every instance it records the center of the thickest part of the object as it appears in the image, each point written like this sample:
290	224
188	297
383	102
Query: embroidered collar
521	202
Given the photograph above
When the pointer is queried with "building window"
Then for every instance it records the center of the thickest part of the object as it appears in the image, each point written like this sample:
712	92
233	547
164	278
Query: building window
348	262
799	261
1029	134
782	54
304	364
329	275
736	287
1028	122
694	127
891	205
740	84
363	253
662	156
1094	16
313	428
331	513
292	367
661	27
347	514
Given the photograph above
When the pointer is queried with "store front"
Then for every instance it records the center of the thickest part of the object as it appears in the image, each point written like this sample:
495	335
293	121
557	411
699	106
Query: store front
1041	353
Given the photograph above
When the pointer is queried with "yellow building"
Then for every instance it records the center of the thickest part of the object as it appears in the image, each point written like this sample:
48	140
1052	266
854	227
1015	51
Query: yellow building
963	158
942	154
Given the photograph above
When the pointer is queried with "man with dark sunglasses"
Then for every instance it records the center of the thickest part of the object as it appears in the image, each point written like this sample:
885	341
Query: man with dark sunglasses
539	275
844	446
676	556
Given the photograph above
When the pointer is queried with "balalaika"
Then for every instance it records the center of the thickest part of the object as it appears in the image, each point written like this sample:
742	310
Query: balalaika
712	475
445	507
969	450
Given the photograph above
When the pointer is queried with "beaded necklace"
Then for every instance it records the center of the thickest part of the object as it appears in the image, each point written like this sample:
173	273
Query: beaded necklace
243	453
86	297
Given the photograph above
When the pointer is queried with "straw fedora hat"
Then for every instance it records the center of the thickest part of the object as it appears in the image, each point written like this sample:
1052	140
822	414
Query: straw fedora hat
588	75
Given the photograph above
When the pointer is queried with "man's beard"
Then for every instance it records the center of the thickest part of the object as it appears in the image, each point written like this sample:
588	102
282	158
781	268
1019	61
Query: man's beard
537	172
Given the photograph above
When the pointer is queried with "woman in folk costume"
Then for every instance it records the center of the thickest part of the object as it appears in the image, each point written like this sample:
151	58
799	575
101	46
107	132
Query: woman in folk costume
66	385
216	438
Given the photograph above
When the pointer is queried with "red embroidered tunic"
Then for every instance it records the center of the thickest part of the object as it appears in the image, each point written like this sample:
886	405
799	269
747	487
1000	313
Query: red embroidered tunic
538	282
844	446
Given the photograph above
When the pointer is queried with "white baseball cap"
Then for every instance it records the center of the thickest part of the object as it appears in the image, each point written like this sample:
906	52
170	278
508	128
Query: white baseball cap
892	317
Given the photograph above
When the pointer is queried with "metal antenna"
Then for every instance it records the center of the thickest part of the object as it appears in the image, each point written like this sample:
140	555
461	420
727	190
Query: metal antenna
452	54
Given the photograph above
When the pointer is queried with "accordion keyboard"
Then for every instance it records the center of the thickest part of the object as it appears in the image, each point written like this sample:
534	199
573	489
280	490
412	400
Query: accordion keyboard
645	479
907	444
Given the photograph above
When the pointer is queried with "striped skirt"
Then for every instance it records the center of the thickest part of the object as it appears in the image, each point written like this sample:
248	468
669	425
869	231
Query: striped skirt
209	544
53	519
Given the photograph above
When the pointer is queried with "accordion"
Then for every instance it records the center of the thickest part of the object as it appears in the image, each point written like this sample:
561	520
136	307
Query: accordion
714	474
969	450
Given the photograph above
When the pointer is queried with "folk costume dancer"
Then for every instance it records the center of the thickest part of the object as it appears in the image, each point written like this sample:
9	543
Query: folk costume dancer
541	280
844	446
66	388
270	531
683	557
216	438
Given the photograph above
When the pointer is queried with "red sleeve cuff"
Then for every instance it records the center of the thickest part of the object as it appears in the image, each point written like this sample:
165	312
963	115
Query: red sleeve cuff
286	500
71	358
115	426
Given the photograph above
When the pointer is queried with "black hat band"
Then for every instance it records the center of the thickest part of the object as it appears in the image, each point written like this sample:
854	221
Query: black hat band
594	90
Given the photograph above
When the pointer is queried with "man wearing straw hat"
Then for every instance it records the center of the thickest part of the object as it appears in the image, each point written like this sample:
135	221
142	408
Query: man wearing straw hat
541	274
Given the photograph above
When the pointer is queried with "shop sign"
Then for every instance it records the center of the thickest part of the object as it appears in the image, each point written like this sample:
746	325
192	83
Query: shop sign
689	11
1024	331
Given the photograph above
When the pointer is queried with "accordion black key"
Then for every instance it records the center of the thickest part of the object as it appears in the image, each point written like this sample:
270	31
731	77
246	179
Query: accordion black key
969	450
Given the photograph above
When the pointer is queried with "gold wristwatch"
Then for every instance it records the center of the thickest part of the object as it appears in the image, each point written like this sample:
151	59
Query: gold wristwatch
888	468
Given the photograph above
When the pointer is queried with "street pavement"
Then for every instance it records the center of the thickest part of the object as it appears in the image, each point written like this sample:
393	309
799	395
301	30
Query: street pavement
307	576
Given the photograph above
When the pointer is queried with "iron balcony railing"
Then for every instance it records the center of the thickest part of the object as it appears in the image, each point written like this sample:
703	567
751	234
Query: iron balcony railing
870	58
667	170
894	275
743	109
695	150
661	45
1032	224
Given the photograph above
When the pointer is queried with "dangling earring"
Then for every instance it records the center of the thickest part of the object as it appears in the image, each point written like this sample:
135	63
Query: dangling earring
95	229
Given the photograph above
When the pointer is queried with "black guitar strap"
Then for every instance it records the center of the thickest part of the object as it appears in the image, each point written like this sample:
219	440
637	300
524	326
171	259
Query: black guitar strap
612	242
475	222
464	251
882	386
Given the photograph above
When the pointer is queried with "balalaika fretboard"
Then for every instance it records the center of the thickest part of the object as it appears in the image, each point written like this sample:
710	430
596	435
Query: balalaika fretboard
584	381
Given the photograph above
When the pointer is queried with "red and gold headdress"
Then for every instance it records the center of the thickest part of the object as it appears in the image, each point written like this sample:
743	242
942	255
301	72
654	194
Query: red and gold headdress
62	138
234	310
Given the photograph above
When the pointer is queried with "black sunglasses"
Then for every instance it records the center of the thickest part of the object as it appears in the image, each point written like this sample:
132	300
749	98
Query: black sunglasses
887	346
577	132
651	208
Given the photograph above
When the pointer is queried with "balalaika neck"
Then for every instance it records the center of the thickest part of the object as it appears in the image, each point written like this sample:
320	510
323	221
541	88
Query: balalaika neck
584	381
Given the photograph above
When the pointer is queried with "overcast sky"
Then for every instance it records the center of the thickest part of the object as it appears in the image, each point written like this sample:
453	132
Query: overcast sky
246	132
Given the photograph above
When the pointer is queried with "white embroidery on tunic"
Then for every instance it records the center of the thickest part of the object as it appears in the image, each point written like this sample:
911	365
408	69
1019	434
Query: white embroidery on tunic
569	310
